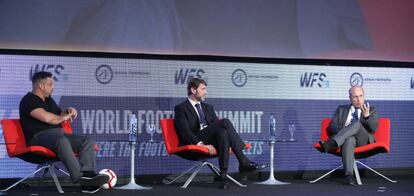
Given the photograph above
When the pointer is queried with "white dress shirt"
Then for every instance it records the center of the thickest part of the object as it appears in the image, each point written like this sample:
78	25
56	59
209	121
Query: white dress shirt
349	118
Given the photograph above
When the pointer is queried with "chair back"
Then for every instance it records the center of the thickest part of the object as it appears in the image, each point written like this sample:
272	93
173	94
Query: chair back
324	129
382	134
169	134
13	136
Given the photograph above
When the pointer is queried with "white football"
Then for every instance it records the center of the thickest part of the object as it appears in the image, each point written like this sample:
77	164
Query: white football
112	178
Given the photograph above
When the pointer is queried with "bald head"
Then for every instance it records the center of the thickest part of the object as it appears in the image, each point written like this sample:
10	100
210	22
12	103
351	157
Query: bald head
354	89
356	95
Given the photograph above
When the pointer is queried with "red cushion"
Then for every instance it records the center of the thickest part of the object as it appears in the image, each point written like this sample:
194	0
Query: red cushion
172	143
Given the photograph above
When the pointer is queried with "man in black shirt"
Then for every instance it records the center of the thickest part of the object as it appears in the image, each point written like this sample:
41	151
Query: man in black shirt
41	120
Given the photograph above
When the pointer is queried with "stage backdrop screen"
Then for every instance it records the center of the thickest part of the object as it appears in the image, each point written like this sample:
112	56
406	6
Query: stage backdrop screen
106	91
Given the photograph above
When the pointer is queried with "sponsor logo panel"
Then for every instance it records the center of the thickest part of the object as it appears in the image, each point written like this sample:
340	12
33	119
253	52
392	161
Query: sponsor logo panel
357	79
314	80
57	70
183	75
240	77
105	74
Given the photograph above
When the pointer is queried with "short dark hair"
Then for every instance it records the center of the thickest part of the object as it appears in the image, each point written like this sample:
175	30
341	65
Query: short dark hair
194	83
40	76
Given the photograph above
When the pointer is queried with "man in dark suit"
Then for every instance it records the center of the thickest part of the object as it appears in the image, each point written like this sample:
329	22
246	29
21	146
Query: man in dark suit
352	125
196	123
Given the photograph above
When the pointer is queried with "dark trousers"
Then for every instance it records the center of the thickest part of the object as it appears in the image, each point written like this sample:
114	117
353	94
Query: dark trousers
65	146
223	136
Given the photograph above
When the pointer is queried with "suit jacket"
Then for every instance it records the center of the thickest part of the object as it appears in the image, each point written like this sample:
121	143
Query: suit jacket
341	114
187	124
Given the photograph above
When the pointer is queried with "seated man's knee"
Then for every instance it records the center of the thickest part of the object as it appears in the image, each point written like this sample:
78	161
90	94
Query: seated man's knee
225	122
356	125
351	141
62	142
88	142
222	133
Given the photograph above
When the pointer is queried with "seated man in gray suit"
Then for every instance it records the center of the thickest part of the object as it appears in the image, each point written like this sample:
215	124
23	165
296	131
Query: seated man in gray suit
353	125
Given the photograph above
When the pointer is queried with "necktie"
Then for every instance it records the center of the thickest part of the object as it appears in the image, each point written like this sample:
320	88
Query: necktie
202	118
355	117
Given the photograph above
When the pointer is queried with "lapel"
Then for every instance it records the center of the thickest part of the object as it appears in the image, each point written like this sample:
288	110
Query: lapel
206	114
345	113
347	110
190	108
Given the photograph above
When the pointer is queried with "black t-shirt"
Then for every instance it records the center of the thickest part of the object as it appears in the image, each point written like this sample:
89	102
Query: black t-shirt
30	125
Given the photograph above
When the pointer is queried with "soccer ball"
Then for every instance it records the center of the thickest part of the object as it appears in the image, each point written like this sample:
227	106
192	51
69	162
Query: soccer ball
112	178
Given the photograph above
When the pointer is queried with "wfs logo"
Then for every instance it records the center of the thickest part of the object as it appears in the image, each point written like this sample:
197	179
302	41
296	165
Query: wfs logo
182	76
314	80
56	70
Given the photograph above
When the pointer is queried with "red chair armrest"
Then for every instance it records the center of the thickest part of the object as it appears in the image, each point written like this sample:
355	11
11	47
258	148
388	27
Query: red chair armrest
196	148
42	151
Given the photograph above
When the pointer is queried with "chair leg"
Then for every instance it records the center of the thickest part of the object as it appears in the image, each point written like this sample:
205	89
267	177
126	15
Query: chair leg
323	176
373	170
186	172
356	172
196	170
49	167
42	177
28	176
216	171
55	179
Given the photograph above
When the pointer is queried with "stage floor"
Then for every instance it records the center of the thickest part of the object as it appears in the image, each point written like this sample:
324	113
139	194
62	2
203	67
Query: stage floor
372	185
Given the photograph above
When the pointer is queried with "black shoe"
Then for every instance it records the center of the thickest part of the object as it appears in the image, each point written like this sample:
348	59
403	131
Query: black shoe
90	189
223	182
328	145
97	180
89	174
350	180
252	166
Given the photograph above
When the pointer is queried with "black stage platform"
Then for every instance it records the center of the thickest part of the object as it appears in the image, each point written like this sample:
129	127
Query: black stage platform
204	185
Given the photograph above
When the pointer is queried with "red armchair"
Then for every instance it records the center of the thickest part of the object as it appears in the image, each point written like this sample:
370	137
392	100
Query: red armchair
381	145
16	147
189	152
